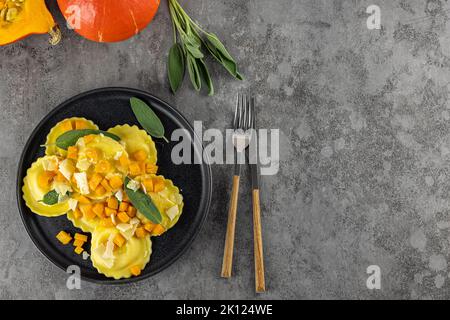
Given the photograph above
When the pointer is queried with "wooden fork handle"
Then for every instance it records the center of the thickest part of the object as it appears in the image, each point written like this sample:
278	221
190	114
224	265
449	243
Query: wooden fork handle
260	282
227	262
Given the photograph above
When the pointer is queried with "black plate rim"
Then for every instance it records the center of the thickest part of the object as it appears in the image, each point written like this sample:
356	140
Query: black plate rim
205	166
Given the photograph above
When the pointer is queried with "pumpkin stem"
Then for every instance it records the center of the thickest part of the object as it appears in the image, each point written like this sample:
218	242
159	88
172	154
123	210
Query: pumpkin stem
55	34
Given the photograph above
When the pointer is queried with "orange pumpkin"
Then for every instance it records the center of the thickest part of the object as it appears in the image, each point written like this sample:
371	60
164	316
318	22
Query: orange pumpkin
21	18
106	20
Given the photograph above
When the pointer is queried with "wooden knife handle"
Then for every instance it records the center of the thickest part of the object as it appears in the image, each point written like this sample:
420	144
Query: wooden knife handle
227	262
260	282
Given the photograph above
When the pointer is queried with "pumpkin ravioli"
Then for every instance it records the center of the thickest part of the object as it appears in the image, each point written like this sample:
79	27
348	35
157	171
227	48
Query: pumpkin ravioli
167	199
136	140
100	151
33	192
65	125
116	261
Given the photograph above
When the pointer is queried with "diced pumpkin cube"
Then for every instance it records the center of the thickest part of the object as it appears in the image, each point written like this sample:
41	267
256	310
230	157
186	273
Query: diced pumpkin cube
107	223
80	236
92	155
88	138
84	208
140	155
131	211
113	203
115	182
80	124
78	250
109	211
123	217
119	240
45	178
64	237
72	153
151	168
87	211
158	230
134	169
103	166
77	213
100	191
135	271
158	184
148	184
123	206
140	232
106	185
124	161
66	125
149	226
99	209
78	243
95	180
82	199
90	215
60	177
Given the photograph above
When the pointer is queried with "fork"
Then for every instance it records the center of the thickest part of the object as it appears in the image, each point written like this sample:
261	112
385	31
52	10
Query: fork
241	139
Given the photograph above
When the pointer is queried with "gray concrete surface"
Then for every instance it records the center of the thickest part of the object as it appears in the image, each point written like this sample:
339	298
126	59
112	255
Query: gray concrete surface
365	147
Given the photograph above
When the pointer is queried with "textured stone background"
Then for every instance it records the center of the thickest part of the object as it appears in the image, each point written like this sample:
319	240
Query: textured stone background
365	144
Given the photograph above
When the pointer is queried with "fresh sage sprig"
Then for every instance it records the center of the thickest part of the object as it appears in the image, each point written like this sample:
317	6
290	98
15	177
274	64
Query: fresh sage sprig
147	118
70	138
143	203
190	41
176	66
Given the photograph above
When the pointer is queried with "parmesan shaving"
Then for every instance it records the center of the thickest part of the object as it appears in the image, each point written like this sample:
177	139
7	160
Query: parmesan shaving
82	182
73	204
133	185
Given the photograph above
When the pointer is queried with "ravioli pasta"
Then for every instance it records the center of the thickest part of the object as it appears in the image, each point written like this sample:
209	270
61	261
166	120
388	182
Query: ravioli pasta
86	182
101	151
33	192
169	201
135	140
65	125
135	252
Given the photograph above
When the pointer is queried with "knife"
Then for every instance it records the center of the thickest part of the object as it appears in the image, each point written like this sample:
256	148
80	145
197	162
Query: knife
260	285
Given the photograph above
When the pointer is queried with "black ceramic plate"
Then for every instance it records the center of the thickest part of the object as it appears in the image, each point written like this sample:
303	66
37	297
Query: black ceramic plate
109	107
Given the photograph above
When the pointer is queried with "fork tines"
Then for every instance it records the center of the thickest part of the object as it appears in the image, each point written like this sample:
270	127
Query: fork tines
243	115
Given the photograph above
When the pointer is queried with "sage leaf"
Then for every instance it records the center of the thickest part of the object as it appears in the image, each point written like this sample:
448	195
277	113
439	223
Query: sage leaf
204	73
50	198
176	67
213	51
229	64
147	118
70	138
194	73
193	38
143	203
231	67
194	50
214	40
